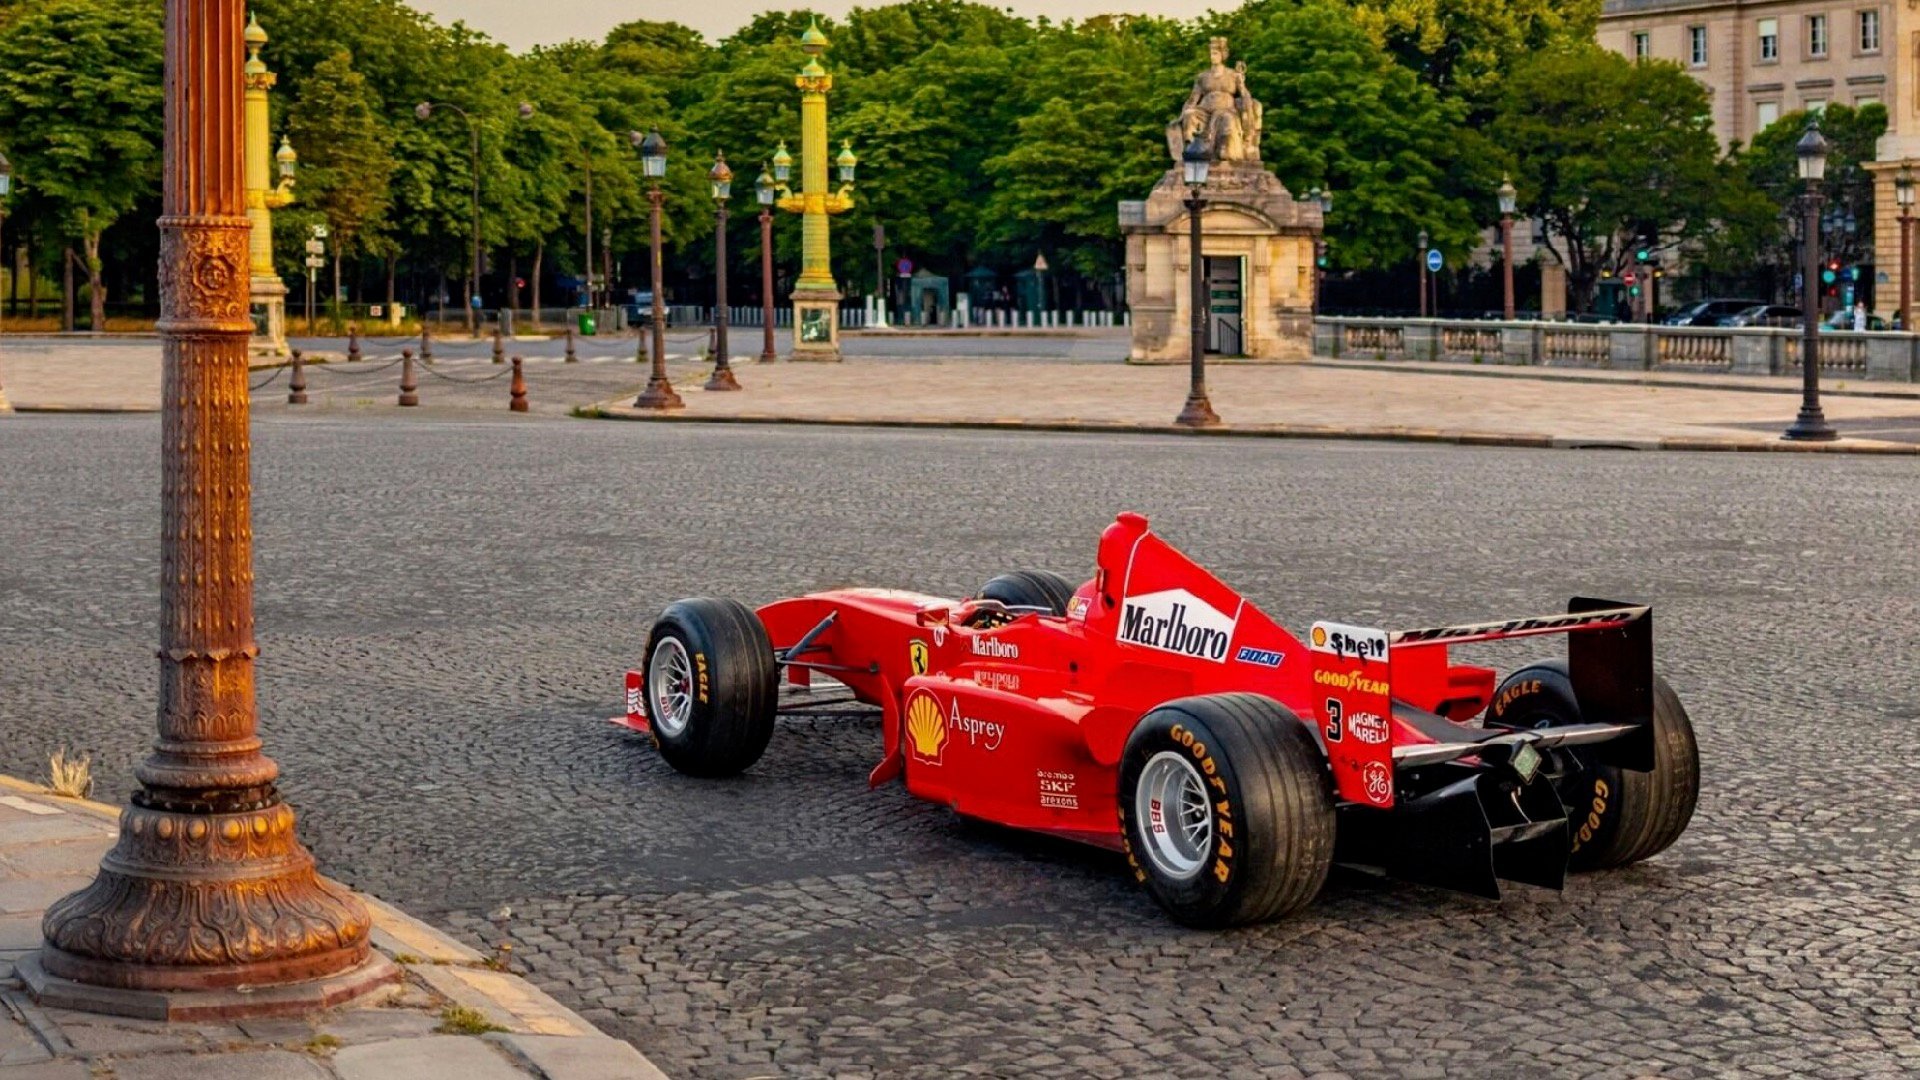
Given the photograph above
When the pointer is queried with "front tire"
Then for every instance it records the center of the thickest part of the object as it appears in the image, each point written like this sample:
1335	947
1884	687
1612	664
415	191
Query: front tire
712	686
1616	816
1226	809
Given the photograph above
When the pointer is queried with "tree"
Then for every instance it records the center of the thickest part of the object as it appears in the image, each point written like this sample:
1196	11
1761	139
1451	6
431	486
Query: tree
81	93
1464	47
1770	236
1615	156
344	148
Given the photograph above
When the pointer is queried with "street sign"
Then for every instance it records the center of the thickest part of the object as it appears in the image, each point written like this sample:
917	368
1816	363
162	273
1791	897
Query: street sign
315	247
879	237
904	268
1629	277
319	232
1434	261
315	262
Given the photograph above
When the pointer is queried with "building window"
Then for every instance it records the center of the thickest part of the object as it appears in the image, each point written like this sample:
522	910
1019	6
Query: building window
1769	40
1870	31
1815	105
1697	46
1765	114
1640	48
1866	99
1817	36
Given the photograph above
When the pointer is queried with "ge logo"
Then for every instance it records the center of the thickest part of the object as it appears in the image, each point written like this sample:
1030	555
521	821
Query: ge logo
1379	781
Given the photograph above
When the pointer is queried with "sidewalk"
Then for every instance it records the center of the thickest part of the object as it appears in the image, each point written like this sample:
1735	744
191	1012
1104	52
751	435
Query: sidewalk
457	1017
1432	403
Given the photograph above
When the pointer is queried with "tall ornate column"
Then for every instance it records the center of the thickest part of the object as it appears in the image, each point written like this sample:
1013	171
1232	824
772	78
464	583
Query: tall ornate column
816	298
208	889
266	291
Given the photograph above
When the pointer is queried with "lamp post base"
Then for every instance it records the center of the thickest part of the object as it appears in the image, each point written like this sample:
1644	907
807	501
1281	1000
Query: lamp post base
722	378
659	394
1810	426
816	325
1198	413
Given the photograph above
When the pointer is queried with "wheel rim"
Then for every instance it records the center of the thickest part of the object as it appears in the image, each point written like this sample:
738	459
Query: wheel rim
670	687
1170	803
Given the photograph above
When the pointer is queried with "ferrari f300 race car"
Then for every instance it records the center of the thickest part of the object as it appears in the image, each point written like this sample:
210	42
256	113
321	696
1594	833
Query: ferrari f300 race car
1156	711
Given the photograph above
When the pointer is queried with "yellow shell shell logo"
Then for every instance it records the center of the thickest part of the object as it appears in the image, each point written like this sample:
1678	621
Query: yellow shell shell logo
926	728
917	657
1319	637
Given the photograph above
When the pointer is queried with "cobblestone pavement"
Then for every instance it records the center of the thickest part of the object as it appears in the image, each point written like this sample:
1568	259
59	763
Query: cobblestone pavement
446	603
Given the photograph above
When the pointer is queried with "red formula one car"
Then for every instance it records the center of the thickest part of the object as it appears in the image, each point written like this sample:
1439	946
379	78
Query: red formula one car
1156	711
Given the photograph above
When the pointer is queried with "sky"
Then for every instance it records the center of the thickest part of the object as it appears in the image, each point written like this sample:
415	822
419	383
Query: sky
524	23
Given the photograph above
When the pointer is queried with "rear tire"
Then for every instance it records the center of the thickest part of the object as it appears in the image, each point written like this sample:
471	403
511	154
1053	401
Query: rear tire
1226	809
712	686
1030	589
1615	816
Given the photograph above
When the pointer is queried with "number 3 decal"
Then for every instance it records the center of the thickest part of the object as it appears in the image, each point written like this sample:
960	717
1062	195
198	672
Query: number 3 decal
1333	720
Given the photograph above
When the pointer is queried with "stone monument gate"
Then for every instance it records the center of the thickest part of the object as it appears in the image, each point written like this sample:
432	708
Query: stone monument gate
1257	243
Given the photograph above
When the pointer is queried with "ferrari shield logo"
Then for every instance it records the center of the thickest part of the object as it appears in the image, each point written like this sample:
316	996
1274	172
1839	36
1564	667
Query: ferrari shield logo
917	656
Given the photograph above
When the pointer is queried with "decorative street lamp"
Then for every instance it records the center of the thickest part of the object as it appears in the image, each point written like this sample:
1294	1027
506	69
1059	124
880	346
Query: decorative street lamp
6	189
1903	194
424	111
208	887
1509	201
1423	273
1811	424
763	190
1323	198
266	292
720	180
1194	163
816	299
653	165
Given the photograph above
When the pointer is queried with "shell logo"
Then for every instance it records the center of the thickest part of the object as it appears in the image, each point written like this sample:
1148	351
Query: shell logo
926	728
1319	637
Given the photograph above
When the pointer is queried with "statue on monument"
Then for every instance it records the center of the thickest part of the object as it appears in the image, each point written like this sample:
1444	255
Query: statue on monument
1221	110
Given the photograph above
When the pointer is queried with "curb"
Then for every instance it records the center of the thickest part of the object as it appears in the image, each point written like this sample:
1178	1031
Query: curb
606	410
537	1029
85	410
1632	377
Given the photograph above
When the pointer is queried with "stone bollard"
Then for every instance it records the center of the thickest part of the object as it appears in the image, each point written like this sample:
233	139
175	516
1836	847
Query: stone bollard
407	386
426	342
517	400
297	389
353	343
499	347
571	358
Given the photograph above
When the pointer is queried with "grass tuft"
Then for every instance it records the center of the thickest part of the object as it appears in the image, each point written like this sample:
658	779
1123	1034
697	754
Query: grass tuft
70	776
462	1020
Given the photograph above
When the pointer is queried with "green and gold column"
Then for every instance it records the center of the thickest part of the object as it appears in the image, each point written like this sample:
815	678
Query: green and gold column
816	299
266	292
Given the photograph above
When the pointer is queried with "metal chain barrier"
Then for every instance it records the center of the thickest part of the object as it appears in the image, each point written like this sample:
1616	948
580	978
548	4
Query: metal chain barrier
483	379
340	369
268	381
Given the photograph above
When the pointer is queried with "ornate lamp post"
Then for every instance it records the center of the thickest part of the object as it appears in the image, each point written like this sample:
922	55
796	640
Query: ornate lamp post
424	111
653	165
1811	423
208	888
1903	194
266	291
1323	198
720	180
816	299
6	190
1423	273
1509	201
1194	163
763	191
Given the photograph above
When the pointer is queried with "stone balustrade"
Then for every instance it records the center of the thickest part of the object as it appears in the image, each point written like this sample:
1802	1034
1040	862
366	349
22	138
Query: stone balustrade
1893	357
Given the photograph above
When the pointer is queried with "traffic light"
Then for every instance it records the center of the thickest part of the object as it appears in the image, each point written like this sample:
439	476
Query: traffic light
1643	255
1827	276
1324	262
1634	291
1606	275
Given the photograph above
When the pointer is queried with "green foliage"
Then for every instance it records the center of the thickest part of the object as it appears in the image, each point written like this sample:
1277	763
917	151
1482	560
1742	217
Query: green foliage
336	127
1770	167
1613	155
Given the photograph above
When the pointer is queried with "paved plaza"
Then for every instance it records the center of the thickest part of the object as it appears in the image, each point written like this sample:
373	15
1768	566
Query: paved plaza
447	598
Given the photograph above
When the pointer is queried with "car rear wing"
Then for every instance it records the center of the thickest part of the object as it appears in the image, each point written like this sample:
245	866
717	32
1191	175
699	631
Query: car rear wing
1609	662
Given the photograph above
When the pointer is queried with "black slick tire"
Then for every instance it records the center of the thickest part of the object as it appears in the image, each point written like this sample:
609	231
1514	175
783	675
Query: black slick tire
1269	809
1030	589
1615	816
732	690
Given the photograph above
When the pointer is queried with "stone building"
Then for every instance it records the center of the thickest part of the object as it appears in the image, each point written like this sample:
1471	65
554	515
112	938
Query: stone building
1760	61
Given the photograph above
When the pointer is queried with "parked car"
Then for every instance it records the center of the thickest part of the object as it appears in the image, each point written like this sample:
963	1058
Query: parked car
1711	312
640	311
1779	315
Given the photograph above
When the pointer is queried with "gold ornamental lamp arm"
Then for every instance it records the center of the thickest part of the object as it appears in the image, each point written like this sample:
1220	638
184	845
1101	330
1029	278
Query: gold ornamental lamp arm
288	163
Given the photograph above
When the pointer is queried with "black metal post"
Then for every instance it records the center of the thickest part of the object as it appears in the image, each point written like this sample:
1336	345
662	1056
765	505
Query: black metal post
659	393
1198	411
1811	424
722	378
766	284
